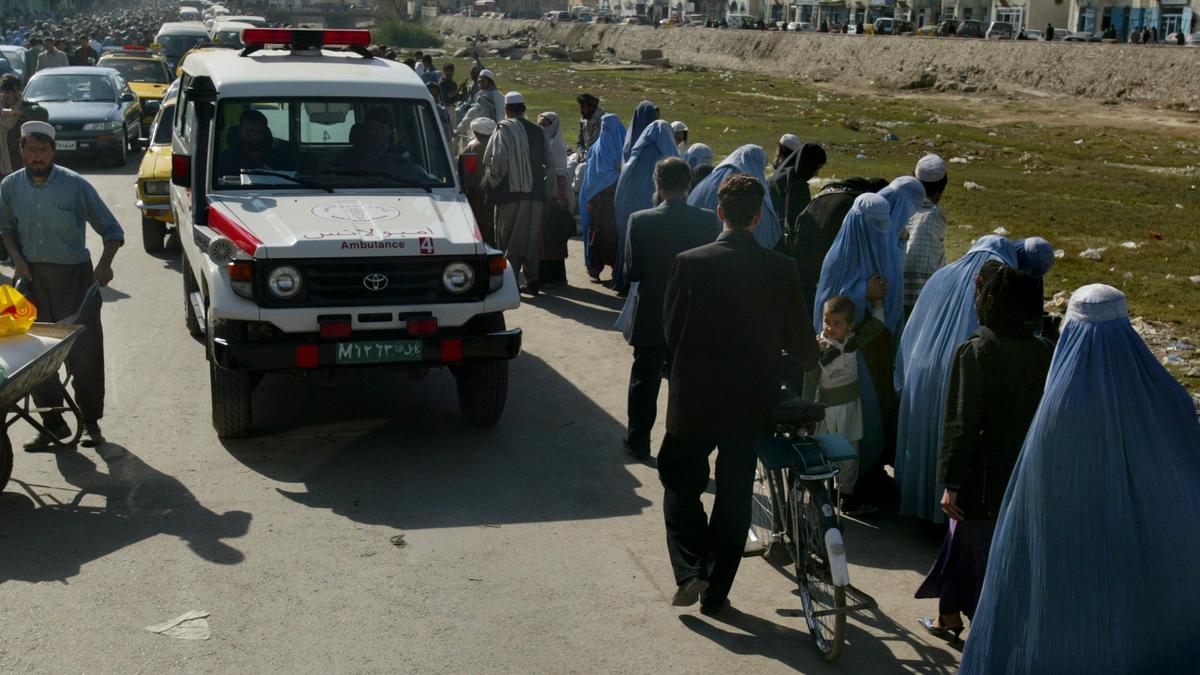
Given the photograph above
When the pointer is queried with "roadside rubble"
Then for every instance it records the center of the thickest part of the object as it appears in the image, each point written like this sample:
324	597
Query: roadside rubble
525	45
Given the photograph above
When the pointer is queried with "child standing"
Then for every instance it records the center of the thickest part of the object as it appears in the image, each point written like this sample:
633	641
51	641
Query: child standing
835	383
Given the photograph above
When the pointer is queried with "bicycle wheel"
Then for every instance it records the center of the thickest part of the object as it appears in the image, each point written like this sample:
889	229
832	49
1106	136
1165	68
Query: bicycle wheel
767	517
812	517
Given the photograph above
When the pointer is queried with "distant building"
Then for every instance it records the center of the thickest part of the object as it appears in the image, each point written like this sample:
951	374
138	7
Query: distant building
1168	16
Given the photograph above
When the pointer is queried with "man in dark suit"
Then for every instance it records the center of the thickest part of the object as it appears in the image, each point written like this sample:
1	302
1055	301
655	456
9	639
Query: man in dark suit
654	237
731	308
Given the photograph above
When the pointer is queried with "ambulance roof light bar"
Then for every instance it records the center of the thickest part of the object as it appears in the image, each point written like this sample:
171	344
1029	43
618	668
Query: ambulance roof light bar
300	40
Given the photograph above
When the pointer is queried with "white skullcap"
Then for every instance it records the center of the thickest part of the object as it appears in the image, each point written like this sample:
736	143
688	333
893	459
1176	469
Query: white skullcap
678	126
930	169
513	98
791	142
488	74
484	126
1097	302
37	128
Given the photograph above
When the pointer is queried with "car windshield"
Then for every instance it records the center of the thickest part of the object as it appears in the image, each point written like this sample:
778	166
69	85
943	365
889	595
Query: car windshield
229	38
177	45
334	143
14	57
140	70
51	87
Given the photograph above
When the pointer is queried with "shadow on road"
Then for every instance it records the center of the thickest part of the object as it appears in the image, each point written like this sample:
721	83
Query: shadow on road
746	634
588	306
554	456
890	542
49	533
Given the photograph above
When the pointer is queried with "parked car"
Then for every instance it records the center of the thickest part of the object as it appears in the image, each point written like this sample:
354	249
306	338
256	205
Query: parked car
1194	40
1032	34
1078	36
800	26
970	28
947	28
153	187
16	58
1000	30
561	17
928	30
93	110
1061	34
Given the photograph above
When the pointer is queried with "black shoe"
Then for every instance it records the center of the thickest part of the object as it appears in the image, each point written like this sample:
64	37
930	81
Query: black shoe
949	634
47	441
639	451
713	608
689	592
91	435
530	289
855	507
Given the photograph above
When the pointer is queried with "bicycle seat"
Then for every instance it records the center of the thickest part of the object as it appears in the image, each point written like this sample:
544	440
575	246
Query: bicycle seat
793	411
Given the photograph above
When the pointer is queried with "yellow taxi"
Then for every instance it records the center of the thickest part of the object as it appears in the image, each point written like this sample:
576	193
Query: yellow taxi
153	185
146	73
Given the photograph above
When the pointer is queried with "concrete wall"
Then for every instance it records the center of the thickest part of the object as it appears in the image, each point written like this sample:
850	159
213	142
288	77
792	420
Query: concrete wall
1160	74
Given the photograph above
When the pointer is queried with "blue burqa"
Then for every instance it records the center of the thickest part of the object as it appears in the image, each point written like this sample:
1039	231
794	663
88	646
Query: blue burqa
645	113
698	154
601	170
1093	565
943	318
749	159
904	197
852	260
635	187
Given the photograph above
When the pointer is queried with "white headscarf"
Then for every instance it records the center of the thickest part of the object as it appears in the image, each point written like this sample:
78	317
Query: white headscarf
558	147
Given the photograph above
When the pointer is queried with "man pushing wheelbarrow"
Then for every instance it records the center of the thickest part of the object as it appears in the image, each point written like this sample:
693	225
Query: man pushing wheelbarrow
44	209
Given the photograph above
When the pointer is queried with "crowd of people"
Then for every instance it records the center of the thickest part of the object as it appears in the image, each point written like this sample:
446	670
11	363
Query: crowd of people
950	373
1058	462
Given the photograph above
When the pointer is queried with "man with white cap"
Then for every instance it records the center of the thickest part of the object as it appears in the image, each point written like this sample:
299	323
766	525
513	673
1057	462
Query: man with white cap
515	164
488	103
43	212
681	136
482	128
926	248
788	143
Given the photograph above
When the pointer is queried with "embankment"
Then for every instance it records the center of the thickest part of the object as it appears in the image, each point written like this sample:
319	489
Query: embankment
1162	75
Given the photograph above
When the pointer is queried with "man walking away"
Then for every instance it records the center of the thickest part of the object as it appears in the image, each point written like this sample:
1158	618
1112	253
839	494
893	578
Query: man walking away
590	114
515	163
729	310
47	245
926	248
655	237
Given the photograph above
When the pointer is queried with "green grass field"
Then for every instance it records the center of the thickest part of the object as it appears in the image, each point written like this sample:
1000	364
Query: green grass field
1079	180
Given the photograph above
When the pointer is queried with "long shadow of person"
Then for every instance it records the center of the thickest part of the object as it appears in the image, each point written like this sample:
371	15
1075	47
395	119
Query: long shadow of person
54	539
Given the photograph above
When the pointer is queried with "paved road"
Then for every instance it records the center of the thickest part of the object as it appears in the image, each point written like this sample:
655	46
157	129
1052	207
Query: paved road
535	546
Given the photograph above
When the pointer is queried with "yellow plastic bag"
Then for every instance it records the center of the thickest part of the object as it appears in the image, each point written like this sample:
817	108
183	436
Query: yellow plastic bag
17	313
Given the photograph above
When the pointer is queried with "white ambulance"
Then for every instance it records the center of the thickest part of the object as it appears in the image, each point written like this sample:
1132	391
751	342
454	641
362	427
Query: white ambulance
324	225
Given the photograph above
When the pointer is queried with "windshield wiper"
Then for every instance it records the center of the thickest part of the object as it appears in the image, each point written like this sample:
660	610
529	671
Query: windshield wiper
279	174
382	175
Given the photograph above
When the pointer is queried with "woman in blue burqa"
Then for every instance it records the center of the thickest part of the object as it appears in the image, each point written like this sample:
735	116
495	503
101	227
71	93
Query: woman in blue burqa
597	197
645	113
635	187
904	196
1093	566
749	159
853	260
942	319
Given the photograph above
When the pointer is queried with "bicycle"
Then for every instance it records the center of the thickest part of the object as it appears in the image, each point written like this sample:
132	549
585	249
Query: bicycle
797	518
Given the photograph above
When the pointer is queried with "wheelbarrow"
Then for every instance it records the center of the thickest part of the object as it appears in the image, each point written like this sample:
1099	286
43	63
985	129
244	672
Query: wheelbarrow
16	393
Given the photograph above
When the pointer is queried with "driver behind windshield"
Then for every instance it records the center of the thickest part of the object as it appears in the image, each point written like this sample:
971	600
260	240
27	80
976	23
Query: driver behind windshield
252	146
373	145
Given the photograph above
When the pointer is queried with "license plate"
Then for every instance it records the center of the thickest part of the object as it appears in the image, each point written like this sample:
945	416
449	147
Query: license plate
64	145
392	351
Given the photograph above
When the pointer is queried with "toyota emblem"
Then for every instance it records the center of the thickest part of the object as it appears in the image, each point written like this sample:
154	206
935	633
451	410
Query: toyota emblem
375	282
